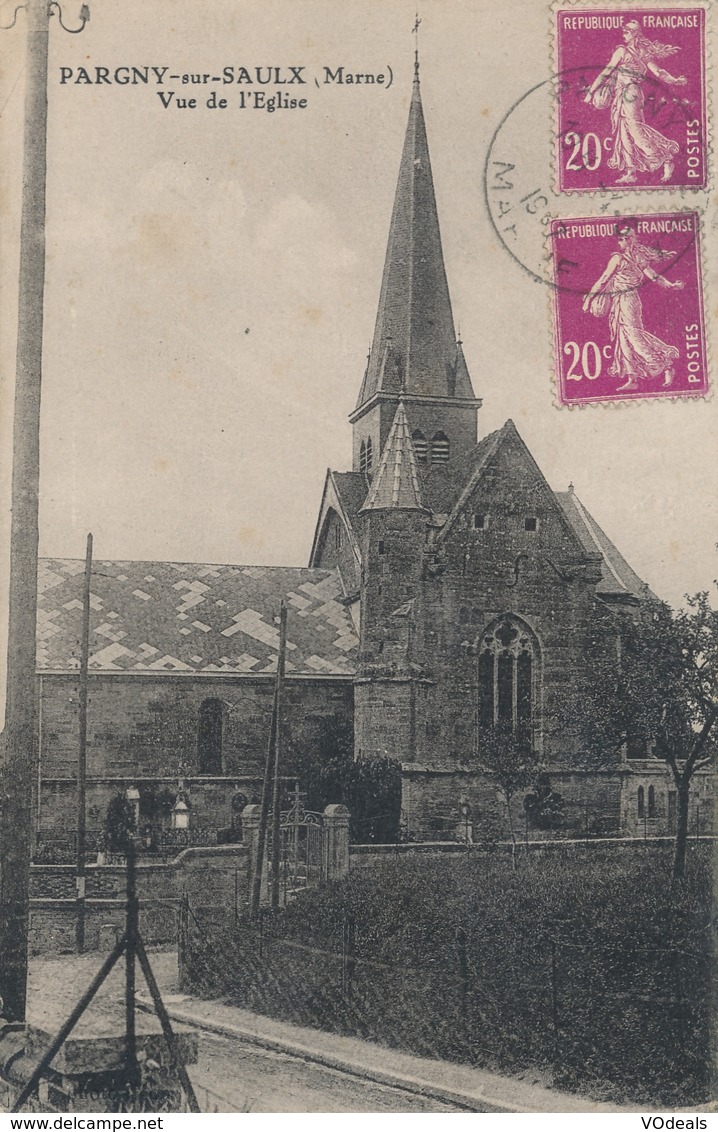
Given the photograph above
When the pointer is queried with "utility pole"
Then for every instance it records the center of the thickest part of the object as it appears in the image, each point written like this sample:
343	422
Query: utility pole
17	750
279	708
82	753
267	789
19	755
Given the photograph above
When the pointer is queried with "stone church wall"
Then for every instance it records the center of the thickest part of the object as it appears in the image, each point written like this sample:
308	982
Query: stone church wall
145	728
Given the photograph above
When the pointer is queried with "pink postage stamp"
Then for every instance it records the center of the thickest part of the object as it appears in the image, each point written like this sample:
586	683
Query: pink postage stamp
628	308
631	98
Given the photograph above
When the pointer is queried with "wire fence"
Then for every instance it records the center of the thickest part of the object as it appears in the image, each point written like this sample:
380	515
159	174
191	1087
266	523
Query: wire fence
634	1018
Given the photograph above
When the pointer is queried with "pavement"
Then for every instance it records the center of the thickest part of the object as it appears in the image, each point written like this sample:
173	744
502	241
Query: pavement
55	985
461	1086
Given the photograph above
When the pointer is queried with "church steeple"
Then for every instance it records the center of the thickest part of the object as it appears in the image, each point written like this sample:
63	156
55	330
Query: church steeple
414	351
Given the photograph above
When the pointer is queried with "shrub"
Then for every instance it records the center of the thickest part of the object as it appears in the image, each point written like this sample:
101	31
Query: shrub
119	824
463	958
329	773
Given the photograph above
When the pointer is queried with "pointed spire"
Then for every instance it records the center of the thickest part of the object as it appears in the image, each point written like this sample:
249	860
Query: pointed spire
396	483
414	305
460	384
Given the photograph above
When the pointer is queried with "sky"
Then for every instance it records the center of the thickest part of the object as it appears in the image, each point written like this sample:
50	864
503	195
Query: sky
213	276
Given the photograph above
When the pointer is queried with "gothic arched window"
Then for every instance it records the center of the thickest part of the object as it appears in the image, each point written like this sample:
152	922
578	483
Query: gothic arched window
421	448
641	802
209	737
507	658
439	448
362	457
651	801
369	454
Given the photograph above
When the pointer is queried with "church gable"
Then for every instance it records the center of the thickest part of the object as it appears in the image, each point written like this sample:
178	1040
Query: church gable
336	543
507	510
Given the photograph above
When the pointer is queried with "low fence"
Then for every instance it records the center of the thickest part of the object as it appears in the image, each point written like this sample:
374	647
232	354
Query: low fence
368	856
633	1013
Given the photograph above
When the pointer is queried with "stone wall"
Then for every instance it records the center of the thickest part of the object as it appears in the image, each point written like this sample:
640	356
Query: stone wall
211	877
145	728
440	803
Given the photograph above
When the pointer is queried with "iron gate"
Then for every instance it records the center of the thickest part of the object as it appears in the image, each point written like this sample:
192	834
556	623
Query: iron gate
301	863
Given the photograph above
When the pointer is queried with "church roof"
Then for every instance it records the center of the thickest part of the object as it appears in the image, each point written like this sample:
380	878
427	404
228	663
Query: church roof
618	580
352	488
170	617
396	483
414	347
443	484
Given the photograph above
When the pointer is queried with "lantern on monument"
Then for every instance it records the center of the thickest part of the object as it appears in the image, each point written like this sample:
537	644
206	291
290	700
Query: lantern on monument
180	814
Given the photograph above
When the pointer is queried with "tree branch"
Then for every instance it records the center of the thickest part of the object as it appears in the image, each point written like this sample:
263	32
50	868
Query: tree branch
701	740
668	757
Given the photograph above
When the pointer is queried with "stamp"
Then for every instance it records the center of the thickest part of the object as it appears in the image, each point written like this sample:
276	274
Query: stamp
631	104
628	307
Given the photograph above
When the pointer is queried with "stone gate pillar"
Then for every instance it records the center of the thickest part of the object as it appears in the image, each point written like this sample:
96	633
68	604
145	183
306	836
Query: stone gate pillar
335	842
250	839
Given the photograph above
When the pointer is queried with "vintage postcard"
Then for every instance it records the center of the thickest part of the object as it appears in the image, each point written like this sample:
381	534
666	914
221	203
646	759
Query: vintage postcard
357	440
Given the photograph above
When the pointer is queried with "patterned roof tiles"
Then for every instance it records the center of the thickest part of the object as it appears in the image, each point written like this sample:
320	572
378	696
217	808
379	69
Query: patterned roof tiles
193	617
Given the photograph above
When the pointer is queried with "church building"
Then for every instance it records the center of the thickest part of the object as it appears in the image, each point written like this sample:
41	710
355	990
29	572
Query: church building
449	589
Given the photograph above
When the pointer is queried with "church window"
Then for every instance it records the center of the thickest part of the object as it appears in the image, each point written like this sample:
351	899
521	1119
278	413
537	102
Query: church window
506	677
209	737
338	537
530	523
641	803
439	448
380	547
421	448
369	454
651	801
362	456
481	521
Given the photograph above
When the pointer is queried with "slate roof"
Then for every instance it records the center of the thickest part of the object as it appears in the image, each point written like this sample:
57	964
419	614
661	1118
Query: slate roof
414	348
618	579
352	489
169	617
443	485
396	483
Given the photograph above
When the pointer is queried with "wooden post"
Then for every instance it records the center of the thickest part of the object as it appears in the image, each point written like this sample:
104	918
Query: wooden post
278	701
82	754
266	786
18	751
554	996
463	964
130	957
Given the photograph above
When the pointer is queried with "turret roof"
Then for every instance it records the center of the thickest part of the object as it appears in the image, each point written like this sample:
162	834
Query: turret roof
396	484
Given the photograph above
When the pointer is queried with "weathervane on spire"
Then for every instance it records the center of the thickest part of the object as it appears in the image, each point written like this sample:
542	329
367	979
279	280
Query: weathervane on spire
415	31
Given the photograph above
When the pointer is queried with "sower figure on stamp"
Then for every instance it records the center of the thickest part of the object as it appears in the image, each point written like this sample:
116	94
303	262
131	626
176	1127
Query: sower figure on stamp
636	353
637	147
